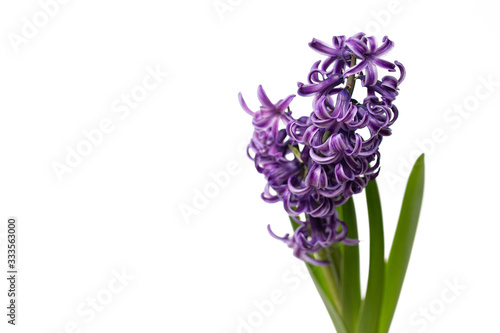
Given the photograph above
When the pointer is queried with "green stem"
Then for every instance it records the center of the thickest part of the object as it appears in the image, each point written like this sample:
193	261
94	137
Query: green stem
331	278
326	295
351	80
335	256
327	289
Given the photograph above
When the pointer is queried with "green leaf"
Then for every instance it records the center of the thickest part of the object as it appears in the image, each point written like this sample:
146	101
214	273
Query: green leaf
351	286
370	311
403	242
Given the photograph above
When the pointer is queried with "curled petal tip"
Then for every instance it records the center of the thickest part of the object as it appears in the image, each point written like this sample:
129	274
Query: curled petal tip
274	235
244	105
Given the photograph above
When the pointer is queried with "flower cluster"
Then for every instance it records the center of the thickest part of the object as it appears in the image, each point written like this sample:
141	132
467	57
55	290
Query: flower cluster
314	164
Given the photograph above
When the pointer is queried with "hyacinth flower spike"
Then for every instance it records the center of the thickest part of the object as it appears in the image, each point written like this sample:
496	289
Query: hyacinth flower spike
314	165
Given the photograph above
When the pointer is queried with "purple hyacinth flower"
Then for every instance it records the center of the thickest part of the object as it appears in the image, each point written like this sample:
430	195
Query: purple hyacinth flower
320	82
343	115
313	235
338	55
365	48
317	162
269	114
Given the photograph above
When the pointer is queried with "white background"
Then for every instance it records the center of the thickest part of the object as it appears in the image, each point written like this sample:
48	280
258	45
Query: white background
119	209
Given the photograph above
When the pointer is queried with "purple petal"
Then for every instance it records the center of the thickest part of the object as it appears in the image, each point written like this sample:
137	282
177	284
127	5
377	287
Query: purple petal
386	46
371	75
402	70
325	86
338	41
357	68
323	48
372	44
244	105
263	97
357	47
383	63
283	104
